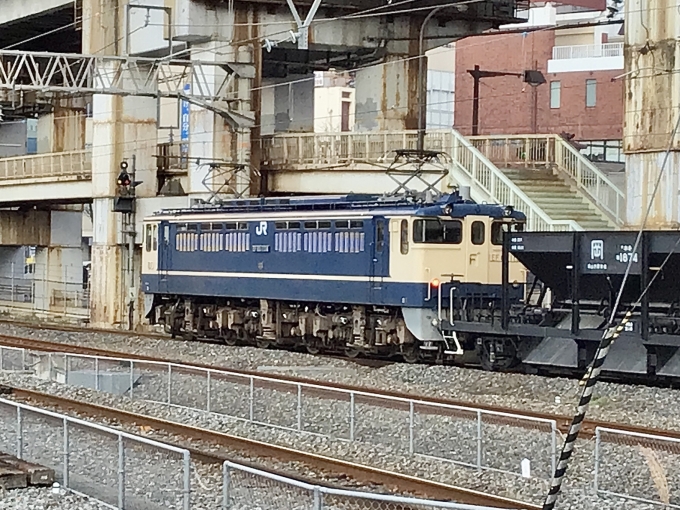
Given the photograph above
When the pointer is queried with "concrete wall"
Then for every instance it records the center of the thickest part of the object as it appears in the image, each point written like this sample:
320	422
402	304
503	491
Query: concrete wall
13	139
29	228
506	103
11	10
328	108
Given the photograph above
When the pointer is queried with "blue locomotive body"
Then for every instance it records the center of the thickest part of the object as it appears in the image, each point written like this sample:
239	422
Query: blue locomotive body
337	256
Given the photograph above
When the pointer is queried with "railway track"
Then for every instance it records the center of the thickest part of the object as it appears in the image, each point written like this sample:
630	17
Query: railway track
362	474
563	422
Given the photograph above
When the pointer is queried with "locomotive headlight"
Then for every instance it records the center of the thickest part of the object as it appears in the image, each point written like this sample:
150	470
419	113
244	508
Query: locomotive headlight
435	322
508	210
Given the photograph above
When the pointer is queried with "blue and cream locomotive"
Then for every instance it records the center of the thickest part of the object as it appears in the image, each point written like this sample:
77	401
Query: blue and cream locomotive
354	274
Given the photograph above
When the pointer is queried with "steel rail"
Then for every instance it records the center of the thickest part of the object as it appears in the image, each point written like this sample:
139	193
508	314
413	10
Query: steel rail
397	482
562	421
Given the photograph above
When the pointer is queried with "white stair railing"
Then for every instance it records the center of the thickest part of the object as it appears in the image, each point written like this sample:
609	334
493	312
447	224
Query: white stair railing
554	152
469	167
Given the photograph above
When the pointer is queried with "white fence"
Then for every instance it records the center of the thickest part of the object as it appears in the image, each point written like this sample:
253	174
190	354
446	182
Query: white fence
587	51
107	464
638	467
73	164
248	488
462	435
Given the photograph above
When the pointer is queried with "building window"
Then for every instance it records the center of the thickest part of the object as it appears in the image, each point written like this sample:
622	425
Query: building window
610	151
591	93
555	94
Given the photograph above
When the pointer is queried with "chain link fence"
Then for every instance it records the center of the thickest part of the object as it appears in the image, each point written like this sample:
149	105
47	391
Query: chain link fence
639	467
246	488
120	469
466	436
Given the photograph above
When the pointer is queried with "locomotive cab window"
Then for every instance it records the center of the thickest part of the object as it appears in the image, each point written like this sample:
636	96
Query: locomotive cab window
148	238
437	231
404	237
477	232
154	238
498	227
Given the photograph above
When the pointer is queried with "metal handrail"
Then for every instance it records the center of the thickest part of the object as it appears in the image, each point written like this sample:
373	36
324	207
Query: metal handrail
53	164
502	189
344	149
557	153
587	51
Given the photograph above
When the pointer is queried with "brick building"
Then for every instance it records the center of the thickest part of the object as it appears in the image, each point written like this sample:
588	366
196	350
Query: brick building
579	97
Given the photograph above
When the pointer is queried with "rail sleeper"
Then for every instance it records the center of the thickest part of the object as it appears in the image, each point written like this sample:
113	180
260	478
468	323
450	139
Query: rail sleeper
16	473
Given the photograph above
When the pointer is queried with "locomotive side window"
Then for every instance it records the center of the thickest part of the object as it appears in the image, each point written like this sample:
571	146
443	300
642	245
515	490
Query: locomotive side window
380	236
154	238
404	237
287	225
342	224
477	232
310	224
436	231
356	224
324	224
498	227
148	238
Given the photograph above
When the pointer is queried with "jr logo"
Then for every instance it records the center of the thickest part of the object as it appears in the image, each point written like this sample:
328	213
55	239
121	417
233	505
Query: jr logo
597	249
261	229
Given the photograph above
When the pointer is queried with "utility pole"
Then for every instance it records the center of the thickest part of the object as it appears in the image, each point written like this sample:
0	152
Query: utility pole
532	77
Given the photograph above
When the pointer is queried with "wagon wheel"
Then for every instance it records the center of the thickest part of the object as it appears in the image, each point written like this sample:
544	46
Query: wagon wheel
313	345
352	352
410	353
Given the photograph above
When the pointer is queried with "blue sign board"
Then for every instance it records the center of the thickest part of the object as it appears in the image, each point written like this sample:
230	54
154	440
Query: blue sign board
184	123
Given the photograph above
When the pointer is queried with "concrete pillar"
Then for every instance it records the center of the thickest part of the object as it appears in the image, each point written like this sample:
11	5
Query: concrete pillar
122	127
58	277
652	107
386	95
214	137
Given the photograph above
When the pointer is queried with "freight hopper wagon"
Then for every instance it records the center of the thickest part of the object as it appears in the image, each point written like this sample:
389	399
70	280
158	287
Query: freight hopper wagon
558	324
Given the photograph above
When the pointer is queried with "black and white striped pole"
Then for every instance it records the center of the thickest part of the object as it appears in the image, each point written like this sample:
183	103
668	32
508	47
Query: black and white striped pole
590	380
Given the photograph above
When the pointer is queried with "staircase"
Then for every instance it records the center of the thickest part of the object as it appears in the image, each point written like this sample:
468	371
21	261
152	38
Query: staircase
556	198
557	178
555	186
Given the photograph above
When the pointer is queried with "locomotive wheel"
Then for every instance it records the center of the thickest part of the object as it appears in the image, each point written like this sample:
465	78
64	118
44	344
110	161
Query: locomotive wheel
410	353
352	352
313	345
230	338
263	343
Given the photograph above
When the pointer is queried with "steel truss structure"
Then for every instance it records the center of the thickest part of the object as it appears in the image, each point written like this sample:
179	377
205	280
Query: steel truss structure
212	85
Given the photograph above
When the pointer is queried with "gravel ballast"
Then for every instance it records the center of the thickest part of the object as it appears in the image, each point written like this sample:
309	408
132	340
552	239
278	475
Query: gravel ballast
43	498
577	492
613	402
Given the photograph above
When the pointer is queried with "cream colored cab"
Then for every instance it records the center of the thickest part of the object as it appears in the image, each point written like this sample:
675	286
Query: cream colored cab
150	248
466	249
